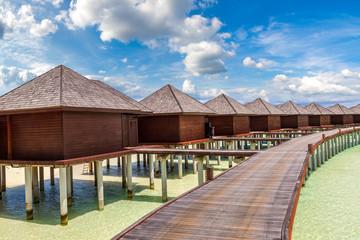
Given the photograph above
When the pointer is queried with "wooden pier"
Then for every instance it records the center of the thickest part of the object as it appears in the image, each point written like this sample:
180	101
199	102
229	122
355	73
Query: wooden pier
253	200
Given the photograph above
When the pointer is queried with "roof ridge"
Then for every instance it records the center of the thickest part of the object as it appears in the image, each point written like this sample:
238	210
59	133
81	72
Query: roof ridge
226	98
61	84
265	105
292	103
175	98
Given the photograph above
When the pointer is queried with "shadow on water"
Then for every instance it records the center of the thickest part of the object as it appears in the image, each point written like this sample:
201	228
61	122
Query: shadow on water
84	200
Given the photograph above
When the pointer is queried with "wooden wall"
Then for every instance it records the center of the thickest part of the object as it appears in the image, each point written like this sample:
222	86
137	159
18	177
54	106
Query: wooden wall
348	119
159	129
325	120
294	121
303	120
37	136
314	120
87	133
259	123
274	122
356	118
3	137
130	130
337	119
191	127
241	124
224	125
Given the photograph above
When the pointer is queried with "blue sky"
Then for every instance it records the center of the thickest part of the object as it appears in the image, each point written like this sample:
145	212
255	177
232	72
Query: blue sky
279	50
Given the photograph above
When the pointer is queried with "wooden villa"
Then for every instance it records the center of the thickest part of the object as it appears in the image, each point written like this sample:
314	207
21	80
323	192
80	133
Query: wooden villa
296	116
268	116
231	116
342	115
62	114
176	117
321	115
356	115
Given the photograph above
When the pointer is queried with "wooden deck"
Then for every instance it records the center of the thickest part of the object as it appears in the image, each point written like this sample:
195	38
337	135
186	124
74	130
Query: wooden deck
249	201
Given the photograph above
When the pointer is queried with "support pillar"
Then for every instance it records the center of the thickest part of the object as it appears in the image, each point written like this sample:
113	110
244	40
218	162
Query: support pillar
100	185
157	171
144	160
90	168
138	159
268	144
200	160
35	184
123	171
28	194
179	157
252	145
207	158
162	159
68	185
3	178
63	196
0	184
172	166
118	162
151	170
194	162
108	164
229	145
95	174
129	176
218	158
41	170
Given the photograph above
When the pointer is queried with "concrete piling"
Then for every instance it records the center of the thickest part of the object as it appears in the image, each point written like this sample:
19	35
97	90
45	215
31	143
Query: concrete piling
28	193
129	176
157	171
41	172
162	159
100	184
151	170
68	185
123	171
35	184
63	196
52	176
3	178
200	160
179	157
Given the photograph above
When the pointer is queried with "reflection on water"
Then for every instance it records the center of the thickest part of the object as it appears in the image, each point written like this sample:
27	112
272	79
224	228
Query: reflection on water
329	204
85	221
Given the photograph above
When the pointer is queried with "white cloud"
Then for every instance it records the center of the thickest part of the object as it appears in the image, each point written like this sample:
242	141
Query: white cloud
44	28
55	3
347	73
248	62
205	58
256	29
102	71
206	3
188	87
11	77
124	60
130	66
241	34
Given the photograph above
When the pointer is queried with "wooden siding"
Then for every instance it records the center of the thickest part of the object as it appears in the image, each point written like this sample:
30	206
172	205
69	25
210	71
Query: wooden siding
356	118
294	121
337	119
88	134
37	136
224	125
3	137
348	119
159	129
314	120
133	131
303	120
241	124
192	127
325	120
274	122
259	123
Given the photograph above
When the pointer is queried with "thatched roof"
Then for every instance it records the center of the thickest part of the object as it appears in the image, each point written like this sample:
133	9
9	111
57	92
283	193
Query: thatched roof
125	97
170	100
356	109
262	107
317	109
340	110
63	87
291	108
225	105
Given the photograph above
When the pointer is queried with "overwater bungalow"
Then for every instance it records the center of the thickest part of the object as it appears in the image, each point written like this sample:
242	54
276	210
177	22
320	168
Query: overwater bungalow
321	115
342	115
268	116
296	117
62	114
176	117
231	116
356	115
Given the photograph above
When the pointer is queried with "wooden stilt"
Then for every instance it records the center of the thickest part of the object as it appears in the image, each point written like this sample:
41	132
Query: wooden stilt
123	171
68	186
151	170
200	161
28	194
162	159
172	165
108	164
129	176
35	184
229	145
72	180
138	159
63	196
95	173
179	157
3	178
144	160
41	170
118	162
100	185
194	162
157	171
207	158
0	183
90	168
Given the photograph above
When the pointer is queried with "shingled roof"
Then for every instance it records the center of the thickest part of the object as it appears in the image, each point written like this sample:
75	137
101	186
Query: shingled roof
225	105
317	109
170	100
356	109
262	107
291	108
340	110
125	97
63	87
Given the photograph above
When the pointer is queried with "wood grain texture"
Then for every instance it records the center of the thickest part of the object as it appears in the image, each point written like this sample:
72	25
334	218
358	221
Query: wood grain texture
3	137
191	127
249	201
159	129
87	134
341	119
294	121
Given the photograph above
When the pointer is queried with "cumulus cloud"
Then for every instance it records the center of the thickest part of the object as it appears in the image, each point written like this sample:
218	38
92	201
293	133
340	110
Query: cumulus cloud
44	28
188	87
347	73
102	71
2	30
11	77
124	60
205	57
248	62
172	25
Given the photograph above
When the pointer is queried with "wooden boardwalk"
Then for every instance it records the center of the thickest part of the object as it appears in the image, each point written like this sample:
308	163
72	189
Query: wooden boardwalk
250	201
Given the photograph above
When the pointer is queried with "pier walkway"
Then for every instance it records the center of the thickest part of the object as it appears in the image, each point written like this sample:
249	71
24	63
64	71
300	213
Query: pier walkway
249	201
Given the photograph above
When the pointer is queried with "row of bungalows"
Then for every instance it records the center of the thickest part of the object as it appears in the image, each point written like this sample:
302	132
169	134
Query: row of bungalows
296	116
320	116
62	114
342	115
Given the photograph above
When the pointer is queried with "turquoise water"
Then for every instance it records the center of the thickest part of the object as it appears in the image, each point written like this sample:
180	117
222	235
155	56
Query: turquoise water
85	221
329	204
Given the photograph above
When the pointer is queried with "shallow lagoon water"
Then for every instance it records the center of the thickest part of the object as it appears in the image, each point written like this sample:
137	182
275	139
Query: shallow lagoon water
85	221
329	206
